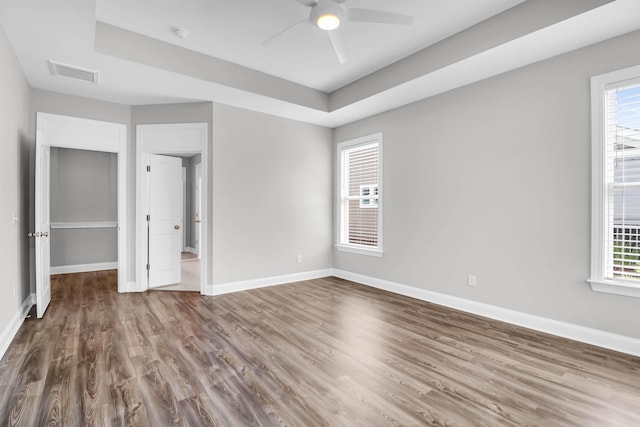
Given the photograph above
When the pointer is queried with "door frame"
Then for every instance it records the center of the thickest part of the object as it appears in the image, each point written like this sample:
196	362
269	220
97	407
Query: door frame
198	184
167	139
55	130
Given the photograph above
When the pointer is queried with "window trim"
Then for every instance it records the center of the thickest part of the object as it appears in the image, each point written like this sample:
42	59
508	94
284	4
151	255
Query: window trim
350	247
599	85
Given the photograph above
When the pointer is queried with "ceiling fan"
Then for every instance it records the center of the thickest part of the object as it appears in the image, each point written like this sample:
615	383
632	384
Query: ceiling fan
329	15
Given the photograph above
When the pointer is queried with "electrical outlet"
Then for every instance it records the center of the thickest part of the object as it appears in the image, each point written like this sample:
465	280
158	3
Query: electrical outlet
299	259
471	280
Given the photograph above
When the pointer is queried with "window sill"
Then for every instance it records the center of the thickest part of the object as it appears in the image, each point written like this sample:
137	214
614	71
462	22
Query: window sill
359	250
614	287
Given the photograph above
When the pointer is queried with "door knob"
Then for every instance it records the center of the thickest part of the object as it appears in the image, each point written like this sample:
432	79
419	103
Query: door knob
177	227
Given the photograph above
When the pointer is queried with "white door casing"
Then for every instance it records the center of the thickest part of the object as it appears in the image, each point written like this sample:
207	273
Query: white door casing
165	213
42	230
175	139
198	207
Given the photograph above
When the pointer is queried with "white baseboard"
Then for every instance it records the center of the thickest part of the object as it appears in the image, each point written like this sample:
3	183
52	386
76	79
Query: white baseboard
246	285
595	337
191	250
83	268
209	290
10	331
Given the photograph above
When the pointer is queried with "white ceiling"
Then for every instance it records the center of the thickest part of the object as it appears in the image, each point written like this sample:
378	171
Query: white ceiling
234	30
223	60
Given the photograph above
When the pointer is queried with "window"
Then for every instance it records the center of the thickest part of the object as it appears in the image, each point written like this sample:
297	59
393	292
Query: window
359	195
615	239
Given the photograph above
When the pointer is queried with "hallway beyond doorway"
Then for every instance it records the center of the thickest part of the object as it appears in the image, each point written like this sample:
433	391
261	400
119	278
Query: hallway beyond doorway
190	266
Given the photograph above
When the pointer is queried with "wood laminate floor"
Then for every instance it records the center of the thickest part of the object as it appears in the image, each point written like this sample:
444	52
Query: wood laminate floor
325	352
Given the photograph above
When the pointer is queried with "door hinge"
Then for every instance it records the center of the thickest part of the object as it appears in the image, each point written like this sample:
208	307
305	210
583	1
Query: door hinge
148	218
148	168
148	267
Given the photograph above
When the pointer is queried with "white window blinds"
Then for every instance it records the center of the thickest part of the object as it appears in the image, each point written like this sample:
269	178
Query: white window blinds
360	194
622	182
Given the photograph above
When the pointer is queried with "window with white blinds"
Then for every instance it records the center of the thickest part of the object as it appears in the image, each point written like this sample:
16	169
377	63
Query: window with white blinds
622	214
616	182
360	207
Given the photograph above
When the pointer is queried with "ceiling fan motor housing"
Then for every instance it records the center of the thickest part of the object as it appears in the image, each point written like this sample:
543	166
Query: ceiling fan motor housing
327	7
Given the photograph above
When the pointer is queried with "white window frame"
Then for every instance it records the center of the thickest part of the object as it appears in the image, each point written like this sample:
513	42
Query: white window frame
599	85
341	227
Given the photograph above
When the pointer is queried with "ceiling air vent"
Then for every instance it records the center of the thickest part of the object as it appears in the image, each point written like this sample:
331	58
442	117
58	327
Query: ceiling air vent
66	70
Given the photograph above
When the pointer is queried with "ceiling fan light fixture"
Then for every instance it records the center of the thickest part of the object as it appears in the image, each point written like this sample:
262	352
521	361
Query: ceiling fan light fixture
328	21
327	14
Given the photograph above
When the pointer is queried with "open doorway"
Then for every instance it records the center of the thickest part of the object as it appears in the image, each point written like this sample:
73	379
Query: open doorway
80	134
171	202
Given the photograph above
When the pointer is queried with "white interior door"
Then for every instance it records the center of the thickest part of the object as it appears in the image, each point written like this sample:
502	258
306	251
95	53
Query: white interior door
165	212
42	220
198	206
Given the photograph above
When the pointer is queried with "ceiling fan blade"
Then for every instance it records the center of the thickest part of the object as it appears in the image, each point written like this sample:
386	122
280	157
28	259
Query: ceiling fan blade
308	3
338	45
378	17
271	39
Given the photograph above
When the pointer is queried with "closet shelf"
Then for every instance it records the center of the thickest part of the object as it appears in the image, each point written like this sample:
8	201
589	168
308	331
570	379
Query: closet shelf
104	224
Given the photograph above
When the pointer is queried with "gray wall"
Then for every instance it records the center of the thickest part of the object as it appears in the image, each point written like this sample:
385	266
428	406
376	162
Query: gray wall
493	179
16	142
271	195
69	105
84	188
